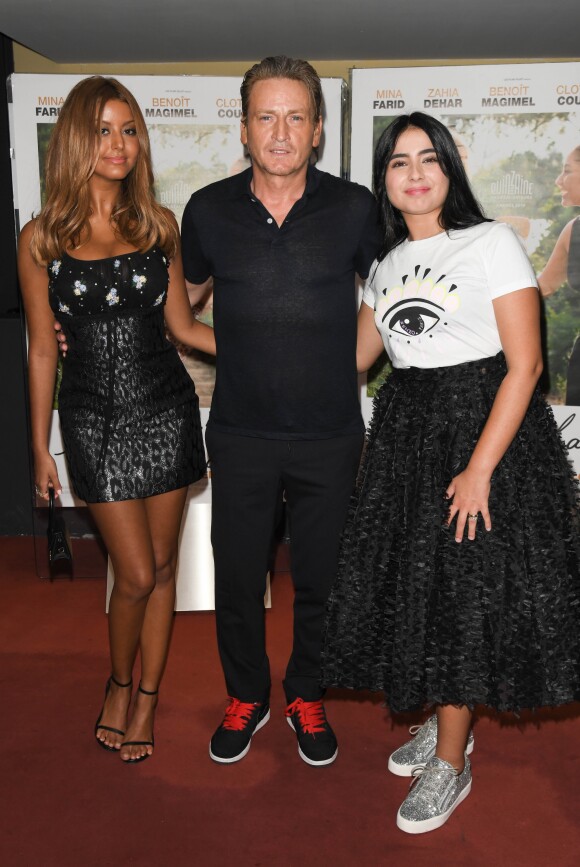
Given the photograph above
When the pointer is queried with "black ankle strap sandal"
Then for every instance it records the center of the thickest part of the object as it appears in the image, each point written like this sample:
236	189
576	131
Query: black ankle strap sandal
150	743
112	679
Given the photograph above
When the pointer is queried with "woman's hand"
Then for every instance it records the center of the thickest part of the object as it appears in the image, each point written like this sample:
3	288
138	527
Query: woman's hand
470	494
46	475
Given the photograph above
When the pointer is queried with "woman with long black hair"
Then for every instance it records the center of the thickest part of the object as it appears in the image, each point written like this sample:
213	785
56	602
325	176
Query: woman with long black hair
459	577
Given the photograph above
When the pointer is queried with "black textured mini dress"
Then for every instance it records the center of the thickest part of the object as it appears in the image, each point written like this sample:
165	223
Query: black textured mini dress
128	409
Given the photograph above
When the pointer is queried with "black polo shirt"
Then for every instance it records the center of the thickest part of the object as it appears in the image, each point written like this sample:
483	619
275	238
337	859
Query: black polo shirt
284	303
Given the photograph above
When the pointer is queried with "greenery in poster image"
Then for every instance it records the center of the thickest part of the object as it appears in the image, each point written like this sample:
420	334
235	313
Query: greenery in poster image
378	374
191	156
562	308
531	205
43	133
379	126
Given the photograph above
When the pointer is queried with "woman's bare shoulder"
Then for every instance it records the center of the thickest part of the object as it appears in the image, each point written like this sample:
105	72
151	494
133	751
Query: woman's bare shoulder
27	231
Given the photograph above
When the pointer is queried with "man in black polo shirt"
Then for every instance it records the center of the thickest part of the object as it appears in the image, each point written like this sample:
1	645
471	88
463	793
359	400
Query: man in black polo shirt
282	242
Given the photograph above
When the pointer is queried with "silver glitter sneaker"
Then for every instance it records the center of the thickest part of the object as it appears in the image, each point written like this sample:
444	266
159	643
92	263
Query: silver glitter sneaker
435	792
419	749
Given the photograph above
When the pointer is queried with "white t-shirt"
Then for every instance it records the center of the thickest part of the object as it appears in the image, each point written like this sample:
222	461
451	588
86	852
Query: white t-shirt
433	298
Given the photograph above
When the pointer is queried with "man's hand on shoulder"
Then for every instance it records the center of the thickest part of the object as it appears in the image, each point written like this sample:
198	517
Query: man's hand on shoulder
62	345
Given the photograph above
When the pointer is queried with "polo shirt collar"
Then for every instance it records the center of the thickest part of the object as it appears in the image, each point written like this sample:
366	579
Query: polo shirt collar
312	182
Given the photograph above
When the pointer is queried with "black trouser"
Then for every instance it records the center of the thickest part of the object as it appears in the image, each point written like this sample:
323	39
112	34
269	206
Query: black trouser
249	475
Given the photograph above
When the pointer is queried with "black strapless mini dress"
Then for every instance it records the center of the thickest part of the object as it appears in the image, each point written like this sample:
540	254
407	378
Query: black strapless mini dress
128	409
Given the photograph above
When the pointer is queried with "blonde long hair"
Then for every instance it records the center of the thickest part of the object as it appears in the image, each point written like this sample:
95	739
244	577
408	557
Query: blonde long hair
70	161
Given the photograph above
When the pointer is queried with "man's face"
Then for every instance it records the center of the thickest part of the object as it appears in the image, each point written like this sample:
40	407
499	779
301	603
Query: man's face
279	130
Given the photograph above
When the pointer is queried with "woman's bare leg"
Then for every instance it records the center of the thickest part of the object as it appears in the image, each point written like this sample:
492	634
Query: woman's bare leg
453	724
125	531
164	514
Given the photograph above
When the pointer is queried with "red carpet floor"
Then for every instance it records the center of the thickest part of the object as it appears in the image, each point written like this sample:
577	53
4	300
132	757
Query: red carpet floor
67	803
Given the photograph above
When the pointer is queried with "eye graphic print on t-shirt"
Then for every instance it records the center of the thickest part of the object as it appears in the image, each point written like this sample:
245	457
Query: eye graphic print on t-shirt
417	308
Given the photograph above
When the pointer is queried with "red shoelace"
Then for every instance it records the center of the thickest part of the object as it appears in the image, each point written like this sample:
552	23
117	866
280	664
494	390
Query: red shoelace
310	715
238	714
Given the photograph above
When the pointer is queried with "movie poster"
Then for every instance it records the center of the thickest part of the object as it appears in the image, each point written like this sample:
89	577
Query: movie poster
517	127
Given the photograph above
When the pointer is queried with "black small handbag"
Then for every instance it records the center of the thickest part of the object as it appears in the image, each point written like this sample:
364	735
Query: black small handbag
59	543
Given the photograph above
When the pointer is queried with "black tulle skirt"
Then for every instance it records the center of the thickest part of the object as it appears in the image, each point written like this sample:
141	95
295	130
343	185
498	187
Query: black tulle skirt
425	619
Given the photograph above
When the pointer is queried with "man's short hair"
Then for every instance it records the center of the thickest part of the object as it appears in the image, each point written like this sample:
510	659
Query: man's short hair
283	67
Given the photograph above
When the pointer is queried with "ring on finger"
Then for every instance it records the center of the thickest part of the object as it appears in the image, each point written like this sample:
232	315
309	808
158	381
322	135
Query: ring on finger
472	517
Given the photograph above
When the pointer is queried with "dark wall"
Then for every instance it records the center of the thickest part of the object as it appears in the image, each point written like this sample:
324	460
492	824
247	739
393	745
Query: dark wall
16	499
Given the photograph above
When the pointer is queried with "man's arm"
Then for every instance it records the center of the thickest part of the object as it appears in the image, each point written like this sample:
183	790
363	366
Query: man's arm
199	292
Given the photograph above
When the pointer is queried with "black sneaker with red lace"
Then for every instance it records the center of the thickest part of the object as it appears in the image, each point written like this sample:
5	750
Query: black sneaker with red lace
316	741
231	740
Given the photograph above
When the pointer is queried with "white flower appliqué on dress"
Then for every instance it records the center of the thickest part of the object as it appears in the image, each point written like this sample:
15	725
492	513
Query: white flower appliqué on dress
139	280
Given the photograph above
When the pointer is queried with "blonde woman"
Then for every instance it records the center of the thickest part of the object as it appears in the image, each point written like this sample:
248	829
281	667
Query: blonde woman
104	257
